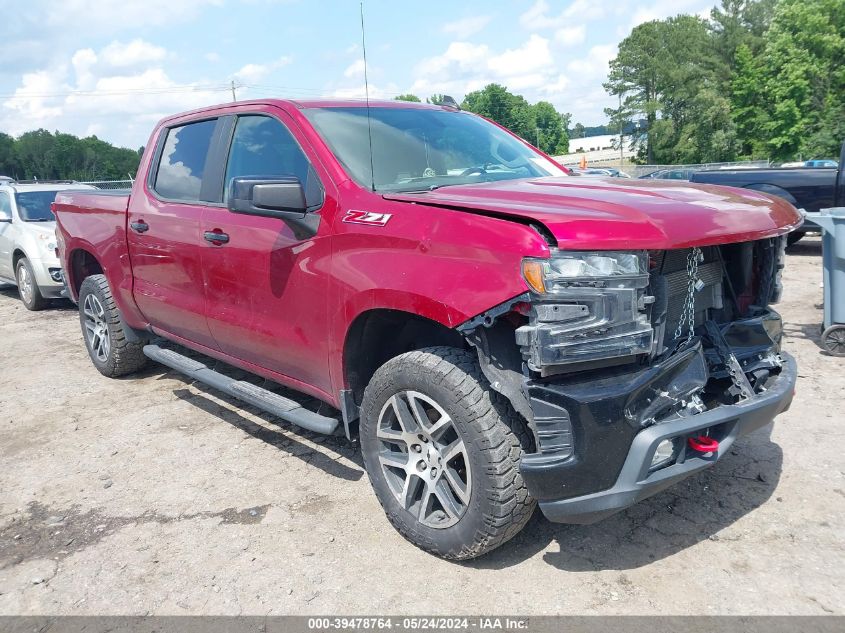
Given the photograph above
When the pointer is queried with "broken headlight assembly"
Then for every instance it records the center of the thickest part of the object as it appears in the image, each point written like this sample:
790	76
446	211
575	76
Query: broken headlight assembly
586	306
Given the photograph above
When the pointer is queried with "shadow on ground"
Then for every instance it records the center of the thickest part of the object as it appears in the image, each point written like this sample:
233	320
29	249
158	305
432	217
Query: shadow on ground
63	305
807	247
695	510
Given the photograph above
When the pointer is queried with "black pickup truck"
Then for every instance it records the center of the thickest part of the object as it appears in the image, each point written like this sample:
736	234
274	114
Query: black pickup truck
807	188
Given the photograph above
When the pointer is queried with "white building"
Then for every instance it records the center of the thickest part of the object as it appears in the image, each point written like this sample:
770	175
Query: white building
604	148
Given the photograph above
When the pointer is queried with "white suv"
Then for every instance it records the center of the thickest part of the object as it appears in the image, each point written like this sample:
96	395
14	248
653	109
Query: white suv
28	240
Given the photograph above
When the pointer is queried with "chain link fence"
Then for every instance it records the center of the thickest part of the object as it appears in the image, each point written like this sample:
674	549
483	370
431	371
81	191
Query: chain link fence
641	170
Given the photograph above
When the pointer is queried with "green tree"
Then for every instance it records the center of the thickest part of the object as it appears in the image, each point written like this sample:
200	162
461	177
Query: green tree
435	99
408	97
660	69
7	155
43	155
739	23
747	107
804	78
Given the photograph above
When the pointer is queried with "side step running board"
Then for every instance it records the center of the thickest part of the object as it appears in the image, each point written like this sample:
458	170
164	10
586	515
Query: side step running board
268	401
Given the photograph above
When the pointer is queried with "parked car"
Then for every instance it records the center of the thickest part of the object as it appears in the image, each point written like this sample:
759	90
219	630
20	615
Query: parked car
810	189
493	339
822	163
28	257
610	172
590	171
670	174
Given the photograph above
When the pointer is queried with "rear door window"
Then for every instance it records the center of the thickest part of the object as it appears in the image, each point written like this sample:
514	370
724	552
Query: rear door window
183	161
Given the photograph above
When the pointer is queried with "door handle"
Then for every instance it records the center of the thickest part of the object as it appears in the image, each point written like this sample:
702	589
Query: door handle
218	238
140	226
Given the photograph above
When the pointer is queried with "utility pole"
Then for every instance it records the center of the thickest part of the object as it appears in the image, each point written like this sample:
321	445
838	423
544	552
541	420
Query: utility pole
234	96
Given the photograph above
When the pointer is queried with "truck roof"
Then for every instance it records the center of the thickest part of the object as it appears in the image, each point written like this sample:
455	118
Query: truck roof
304	104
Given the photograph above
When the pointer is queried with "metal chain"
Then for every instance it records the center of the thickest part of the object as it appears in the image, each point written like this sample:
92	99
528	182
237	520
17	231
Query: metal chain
694	284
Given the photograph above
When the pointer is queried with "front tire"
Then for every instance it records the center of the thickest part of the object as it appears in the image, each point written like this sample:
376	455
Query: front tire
27	286
442	452
102	328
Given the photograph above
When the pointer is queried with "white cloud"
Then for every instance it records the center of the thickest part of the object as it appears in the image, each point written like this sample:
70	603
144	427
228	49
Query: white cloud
461	55
120	14
254	73
538	18
137	52
571	35
355	69
212	57
466	27
532	55
662	9
110	89
359	92
464	67
595	63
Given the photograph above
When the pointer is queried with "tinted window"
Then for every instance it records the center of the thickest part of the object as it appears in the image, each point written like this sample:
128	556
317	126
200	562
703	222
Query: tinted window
5	205
183	159
34	206
262	146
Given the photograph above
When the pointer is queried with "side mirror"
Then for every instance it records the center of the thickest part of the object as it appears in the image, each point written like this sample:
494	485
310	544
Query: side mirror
282	198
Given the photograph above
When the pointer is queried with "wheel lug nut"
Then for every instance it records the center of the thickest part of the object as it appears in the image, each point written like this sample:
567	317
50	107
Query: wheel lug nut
416	448
421	466
433	473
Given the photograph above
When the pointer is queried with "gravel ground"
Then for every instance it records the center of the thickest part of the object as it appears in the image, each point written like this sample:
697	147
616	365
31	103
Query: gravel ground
153	495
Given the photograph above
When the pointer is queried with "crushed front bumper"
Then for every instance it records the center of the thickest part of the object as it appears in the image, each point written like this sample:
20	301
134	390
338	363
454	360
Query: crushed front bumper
609	465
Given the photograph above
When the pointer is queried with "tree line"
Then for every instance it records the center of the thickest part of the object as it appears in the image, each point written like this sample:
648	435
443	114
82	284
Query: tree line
539	123
758	79
43	155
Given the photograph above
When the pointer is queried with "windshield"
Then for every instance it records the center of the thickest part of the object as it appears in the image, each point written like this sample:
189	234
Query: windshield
34	206
417	149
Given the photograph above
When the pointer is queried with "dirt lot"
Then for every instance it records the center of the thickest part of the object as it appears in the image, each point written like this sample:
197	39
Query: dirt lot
152	495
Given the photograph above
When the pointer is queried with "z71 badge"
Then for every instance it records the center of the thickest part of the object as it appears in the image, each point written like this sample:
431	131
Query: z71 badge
367	217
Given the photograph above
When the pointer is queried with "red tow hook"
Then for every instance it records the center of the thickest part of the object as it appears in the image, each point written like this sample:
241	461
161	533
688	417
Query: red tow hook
703	444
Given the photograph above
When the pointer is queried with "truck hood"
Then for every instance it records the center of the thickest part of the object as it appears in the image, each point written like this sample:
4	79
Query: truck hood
615	213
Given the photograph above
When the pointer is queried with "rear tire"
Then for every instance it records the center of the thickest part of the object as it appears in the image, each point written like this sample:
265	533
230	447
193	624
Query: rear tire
102	328
457	492
27	286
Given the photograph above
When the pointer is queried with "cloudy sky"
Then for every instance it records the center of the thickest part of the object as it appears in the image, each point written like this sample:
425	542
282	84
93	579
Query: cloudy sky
114	67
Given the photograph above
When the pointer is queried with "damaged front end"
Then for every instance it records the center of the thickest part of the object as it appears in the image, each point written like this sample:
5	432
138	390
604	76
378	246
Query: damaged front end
637	369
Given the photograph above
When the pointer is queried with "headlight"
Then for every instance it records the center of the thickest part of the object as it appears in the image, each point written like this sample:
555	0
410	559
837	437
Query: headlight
587	306
578	268
47	241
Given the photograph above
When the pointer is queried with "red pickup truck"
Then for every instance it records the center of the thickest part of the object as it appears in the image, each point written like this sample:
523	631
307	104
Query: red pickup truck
494	332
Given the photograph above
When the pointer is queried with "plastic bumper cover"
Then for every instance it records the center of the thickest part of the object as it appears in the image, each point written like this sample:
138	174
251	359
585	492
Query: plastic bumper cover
634	482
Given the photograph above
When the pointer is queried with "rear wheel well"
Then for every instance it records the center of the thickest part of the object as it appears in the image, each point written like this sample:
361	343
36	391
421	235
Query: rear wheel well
376	336
82	264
